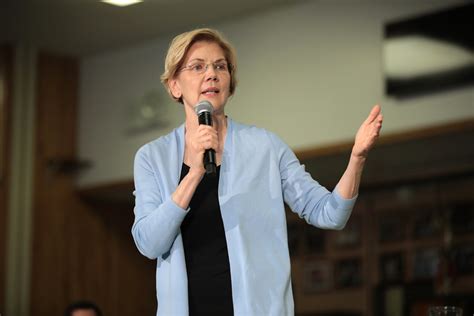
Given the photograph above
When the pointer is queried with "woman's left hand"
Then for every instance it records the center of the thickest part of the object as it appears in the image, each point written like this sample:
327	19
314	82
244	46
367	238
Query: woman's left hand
368	133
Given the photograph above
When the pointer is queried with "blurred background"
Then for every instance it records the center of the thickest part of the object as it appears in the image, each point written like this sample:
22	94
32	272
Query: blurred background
80	93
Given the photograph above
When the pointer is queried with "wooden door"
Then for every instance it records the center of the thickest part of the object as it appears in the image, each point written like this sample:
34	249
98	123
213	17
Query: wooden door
80	251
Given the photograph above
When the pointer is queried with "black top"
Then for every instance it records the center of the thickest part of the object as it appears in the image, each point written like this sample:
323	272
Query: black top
205	249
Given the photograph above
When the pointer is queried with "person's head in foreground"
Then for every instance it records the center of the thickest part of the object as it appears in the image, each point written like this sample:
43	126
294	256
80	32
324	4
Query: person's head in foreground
83	308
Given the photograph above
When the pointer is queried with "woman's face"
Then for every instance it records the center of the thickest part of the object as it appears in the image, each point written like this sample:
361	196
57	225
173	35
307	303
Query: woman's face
204	76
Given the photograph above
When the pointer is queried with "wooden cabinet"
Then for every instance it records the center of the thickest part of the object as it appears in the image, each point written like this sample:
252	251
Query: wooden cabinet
408	228
413	234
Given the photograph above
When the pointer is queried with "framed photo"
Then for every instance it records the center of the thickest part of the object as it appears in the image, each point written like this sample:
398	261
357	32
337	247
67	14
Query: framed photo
315	240
427	224
391	269
463	257
348	273
350	236
392	227
317	276
426	263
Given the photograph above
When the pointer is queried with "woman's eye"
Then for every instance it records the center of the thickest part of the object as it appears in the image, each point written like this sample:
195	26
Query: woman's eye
197	67
221	66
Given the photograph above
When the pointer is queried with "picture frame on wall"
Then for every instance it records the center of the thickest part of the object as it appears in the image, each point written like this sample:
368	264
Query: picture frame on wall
427	224
392	227
391	268
426	263
317	276
350	236
348	273
463	257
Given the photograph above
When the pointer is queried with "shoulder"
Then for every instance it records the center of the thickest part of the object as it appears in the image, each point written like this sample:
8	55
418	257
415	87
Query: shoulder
160	146
252	132
257	135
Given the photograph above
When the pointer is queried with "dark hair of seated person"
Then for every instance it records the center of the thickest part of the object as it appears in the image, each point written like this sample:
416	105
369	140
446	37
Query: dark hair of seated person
80	305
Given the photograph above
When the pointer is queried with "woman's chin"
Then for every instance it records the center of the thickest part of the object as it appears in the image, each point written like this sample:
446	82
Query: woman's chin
217	103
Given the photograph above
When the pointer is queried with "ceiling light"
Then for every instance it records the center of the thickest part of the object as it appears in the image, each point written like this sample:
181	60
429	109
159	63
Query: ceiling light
122	3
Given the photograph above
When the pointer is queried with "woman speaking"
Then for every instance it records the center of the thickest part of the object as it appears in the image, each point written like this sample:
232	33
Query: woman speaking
220	238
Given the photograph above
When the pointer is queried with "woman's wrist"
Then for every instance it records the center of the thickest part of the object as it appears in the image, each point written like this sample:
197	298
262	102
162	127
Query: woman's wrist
183	194
196	173
357	162
358	157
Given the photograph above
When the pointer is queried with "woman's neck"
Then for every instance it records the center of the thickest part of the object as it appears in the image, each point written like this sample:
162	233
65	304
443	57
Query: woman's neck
219	122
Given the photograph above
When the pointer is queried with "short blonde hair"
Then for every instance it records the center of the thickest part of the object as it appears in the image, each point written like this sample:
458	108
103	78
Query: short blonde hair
180	46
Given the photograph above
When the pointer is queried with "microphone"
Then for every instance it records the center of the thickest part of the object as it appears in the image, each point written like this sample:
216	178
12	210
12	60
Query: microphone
204	111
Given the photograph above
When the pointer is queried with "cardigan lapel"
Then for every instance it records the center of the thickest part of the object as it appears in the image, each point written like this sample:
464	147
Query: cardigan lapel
178	156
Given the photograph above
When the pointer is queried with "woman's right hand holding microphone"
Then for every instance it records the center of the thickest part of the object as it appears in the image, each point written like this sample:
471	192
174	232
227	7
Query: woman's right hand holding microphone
197	143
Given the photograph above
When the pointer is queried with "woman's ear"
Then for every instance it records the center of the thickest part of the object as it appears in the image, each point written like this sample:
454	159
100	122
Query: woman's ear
175	88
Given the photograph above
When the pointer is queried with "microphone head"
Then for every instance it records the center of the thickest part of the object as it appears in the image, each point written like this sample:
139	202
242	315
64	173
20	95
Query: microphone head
203	106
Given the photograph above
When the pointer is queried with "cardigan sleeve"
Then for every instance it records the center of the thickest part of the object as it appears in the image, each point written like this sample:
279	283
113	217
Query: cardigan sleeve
305	196
157	218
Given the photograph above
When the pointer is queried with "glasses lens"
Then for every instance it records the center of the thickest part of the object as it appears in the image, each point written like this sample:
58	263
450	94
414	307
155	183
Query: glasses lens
221	66
201	67
198	67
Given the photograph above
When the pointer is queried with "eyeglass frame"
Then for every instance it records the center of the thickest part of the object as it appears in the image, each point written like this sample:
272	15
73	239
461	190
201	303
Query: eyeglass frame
228	65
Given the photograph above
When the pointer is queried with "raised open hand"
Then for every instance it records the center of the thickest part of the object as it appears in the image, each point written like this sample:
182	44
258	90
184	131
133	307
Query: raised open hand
368	133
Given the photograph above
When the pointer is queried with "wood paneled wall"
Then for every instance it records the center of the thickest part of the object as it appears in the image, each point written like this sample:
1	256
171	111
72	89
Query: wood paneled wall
6	87
79	250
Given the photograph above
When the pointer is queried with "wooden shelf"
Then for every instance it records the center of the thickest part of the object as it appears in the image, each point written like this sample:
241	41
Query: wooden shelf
374	258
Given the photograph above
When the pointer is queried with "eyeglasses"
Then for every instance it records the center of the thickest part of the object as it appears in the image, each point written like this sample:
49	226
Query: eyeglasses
200	67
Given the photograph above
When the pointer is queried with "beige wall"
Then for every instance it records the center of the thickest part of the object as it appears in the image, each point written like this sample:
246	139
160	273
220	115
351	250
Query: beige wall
309	72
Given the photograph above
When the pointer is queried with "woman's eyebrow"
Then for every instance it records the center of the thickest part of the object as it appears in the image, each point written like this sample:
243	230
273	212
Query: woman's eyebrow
196	59
200	59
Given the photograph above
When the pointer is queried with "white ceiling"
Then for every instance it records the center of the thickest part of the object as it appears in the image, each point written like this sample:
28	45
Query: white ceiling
82	27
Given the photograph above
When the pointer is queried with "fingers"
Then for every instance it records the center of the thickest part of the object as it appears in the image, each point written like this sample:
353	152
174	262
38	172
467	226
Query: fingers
380	118
374	114
206	129
207	137
376	125
368	132
378	122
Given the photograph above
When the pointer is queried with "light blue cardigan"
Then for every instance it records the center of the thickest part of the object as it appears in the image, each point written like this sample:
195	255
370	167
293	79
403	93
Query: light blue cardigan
258	172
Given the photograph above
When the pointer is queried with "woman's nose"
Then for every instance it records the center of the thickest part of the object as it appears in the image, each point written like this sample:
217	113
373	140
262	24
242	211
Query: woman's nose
211	74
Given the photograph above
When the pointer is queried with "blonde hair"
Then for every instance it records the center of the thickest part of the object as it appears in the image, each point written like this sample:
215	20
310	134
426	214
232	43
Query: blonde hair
179	48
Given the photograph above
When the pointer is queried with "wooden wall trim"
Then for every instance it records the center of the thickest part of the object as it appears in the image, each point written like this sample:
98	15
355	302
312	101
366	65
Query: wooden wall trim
398	137
6	88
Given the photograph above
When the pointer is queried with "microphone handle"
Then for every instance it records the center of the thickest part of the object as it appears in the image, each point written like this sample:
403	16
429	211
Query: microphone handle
205	118
210	162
